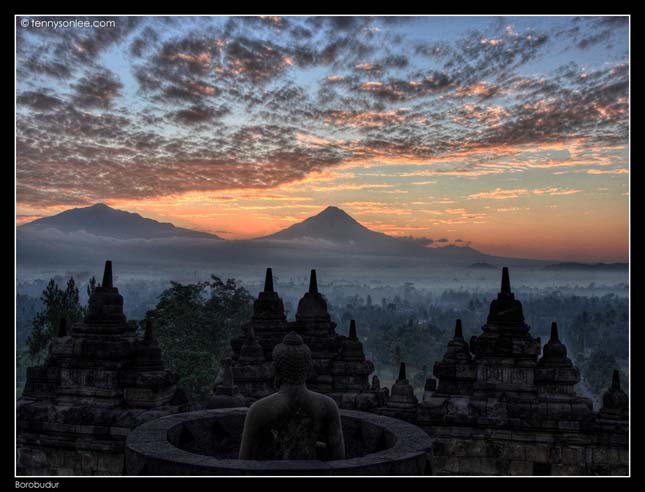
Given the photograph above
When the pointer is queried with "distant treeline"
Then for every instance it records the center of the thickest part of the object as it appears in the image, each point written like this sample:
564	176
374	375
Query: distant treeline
194	322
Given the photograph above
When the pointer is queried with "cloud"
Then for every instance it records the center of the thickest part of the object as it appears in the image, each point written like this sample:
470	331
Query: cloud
453	172
499	194
140	163
366	119
38	101
53	69
462	243
556	191
219	104
476	55
587	32
423	241
608	171
97	90
60	53
198	114
394	90
253	59
481	90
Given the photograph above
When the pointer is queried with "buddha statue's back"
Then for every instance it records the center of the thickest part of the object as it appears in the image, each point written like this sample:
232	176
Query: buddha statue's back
293	423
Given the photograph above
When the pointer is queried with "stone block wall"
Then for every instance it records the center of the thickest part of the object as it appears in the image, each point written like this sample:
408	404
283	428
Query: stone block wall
459	451
45	460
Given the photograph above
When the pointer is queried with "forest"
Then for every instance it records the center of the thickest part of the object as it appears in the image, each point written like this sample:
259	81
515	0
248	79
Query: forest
195	321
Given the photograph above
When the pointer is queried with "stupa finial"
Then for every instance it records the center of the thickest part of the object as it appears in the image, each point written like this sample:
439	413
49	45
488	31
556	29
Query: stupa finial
352	330
268	281
107	275
458	332
402	372
313	283
506	281
554	332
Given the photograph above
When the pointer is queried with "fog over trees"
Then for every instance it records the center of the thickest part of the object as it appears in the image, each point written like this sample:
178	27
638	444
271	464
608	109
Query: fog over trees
396	320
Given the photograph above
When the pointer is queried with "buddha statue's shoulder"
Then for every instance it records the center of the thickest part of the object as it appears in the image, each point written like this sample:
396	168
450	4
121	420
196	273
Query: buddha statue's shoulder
324	403
266	409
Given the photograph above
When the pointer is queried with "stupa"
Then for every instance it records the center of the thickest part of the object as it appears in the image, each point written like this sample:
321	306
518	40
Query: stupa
455	371
615	403
402	403
99	380
339	366
500	409
505	353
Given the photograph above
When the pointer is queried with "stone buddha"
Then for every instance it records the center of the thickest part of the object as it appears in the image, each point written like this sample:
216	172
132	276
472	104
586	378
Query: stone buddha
294	423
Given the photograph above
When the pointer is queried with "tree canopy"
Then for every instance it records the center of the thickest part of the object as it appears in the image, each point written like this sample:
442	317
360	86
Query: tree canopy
57	304
193	324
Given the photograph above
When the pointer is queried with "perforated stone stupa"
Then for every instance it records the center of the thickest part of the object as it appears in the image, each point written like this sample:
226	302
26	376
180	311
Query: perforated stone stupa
99	380
502	404
340	369
499	408
402	403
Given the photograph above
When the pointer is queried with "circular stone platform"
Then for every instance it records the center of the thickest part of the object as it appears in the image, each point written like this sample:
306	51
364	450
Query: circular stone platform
207	442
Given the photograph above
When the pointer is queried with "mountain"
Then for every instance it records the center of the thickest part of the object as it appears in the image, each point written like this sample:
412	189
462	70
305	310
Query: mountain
335	226
482	266
332	224
101	220
84	237
612	267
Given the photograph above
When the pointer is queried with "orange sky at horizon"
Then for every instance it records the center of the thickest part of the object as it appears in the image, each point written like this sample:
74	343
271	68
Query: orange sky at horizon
508	134
576	214
567	243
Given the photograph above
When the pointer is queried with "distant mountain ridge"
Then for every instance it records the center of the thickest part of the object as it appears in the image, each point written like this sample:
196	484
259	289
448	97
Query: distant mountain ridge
571	265
337	226
483	266
331	236
101	220
332	224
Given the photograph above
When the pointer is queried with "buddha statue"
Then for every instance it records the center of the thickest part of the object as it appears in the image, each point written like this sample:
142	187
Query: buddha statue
294	423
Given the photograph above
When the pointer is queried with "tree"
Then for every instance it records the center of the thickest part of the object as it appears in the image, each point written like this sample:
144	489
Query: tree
398	358
193	324
91	285
419	378
597	370
57	304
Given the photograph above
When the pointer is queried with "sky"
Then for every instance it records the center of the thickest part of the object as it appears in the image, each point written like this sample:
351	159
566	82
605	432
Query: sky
508	134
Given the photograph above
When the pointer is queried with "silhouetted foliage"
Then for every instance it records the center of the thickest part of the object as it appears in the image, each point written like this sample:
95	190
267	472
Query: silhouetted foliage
193	324
417	321
27	308
416	329
57	303
596	369
91	285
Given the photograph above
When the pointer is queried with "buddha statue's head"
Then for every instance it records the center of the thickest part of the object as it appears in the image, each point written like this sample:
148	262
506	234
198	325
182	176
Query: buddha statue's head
291	360
294	423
